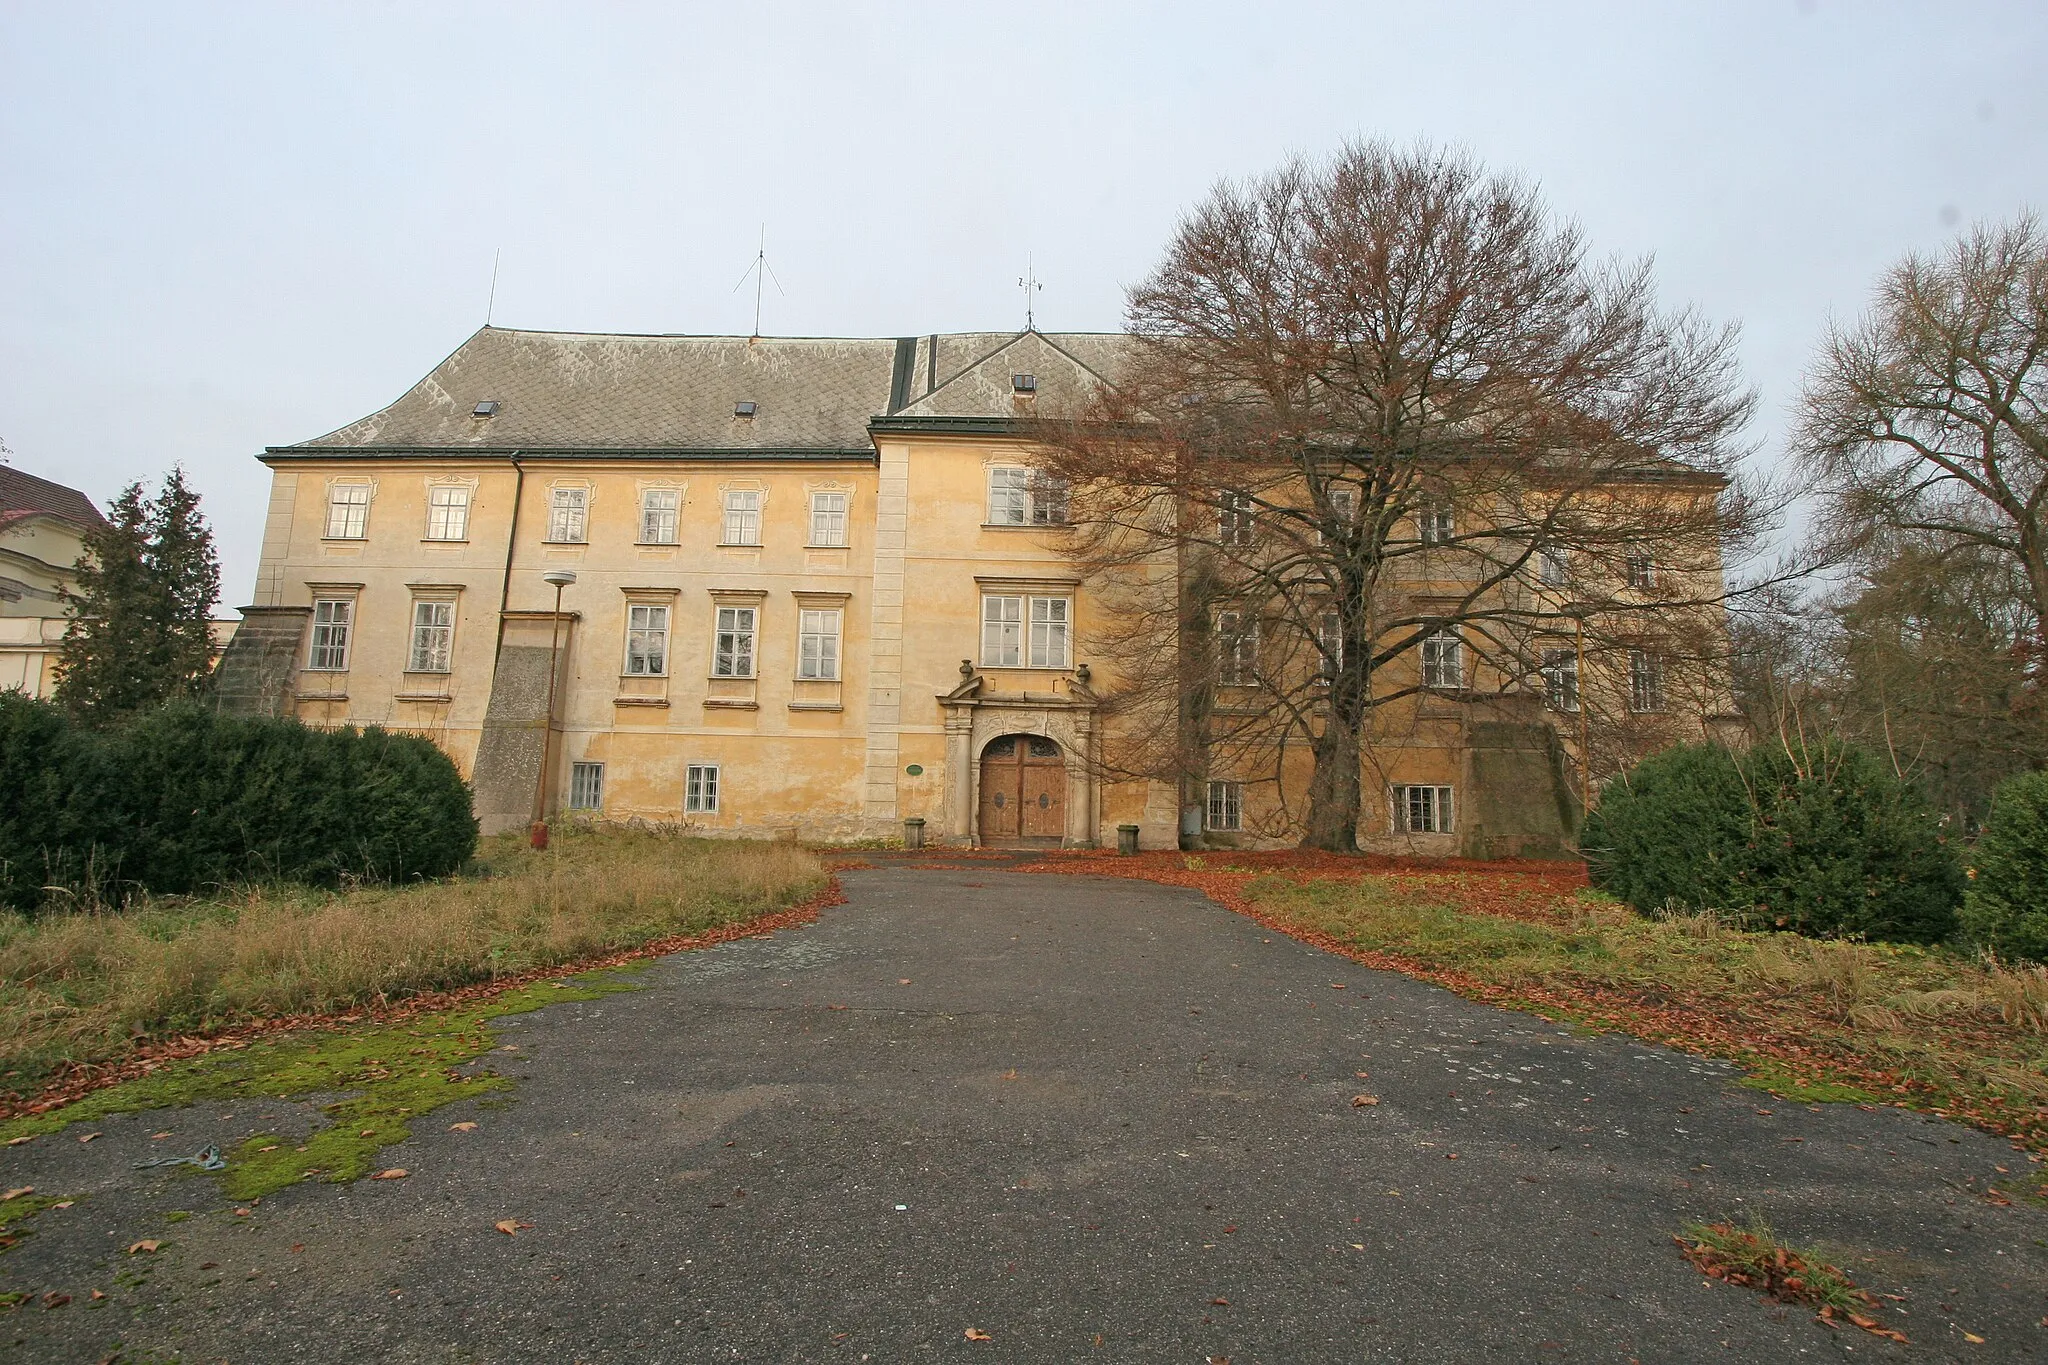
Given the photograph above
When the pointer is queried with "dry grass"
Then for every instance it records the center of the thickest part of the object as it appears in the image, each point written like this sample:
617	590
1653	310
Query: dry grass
84	985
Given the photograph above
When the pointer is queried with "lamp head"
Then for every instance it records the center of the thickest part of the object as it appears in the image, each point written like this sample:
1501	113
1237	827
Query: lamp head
561	578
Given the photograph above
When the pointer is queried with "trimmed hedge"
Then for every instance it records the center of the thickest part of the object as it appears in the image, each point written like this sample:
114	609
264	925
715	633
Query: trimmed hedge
2005	910
1830	843
183	799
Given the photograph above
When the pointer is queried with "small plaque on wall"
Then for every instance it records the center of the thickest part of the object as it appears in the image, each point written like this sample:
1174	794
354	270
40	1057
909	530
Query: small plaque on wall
915	770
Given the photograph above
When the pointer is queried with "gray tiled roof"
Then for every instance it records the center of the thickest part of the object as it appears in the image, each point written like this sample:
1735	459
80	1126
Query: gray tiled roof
22	493
597	392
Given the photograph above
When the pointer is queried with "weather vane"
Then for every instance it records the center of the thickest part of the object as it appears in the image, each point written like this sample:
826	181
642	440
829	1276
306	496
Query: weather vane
1028	282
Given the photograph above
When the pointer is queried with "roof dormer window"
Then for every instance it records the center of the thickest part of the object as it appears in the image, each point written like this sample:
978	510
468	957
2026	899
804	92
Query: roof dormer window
487	408
1024	384
745	409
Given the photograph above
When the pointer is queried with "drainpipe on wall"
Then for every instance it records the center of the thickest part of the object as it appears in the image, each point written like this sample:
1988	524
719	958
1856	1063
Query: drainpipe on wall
511	540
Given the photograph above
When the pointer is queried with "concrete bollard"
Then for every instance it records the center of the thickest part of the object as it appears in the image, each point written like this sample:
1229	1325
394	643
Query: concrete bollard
913	833
1126	839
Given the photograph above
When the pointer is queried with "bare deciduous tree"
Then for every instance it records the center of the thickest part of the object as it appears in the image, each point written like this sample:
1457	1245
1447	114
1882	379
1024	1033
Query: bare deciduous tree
1386	433
1929	418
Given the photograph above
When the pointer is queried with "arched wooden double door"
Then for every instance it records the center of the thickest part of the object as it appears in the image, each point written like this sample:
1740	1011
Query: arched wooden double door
1023	790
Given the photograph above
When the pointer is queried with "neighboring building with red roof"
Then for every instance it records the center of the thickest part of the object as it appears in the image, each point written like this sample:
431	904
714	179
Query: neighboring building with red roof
42	535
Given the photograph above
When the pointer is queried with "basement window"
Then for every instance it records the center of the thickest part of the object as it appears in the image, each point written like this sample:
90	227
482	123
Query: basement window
1422	810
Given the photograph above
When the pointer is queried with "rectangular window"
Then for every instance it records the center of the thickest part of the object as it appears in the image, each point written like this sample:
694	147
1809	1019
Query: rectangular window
586	786
1048	500
732	653
433	635
1437	525
742	517
1226	806
1422	810
1561	679
1234	519
1237	649
659	508
1051	631
1443	661
1330	646
1645	681
646	640
828	519
1343	511
568	515
1002	631
348	511
1552	568
700	789
447	513
1641	569
817	644
1009	497
331	618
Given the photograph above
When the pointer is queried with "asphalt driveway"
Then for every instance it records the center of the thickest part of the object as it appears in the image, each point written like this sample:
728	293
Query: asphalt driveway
1084	1119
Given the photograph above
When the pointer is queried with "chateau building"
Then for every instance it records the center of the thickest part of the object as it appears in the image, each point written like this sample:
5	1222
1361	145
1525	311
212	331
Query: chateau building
817	589
42	535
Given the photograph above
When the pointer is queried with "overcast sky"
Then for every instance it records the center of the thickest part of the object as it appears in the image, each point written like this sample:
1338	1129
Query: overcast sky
225	227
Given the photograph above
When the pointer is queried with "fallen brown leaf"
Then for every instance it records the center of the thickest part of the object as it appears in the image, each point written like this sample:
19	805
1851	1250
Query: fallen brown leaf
17	1192
55	1300
243	1213
158	1137
510	1226
367	1132
1220	1302
976	1334
1973	1338
146	1244
63	1203
88	1137
16	1142
464	1127
98	1295
395	1173
1361	1101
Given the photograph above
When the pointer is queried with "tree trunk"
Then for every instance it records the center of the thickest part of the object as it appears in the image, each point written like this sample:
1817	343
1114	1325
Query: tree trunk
1334	790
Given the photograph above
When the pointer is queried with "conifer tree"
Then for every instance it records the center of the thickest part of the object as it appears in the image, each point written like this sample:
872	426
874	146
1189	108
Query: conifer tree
148	582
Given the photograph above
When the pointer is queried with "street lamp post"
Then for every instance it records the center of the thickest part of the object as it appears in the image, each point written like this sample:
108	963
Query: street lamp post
537	834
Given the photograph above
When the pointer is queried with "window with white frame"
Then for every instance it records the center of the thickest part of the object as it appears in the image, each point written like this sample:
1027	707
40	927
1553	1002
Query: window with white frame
646	640
348	511
1645	681
586	786
1234	513
332	617
1002	631
1561	679
1443	660
448	512
1422	810
1553	569
568	515
732	649
1343	503
1051	631
660	509
828	519
1226	806
1237	648
1437	525
1329	646
1641	569
1048	500
742	517
817	644
700	789
433	636
1009	496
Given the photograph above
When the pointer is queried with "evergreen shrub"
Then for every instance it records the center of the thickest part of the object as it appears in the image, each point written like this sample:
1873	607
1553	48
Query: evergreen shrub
182	799
2005	909
1827	842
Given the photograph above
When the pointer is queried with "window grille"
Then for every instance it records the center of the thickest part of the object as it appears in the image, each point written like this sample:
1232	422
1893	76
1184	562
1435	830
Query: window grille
1226	806
1437	525
1561	679
700	789
1645	681
586	786
1234	513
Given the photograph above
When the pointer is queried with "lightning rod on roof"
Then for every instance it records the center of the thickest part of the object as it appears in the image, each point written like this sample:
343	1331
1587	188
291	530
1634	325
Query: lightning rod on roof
1028	282
492	307
760	270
